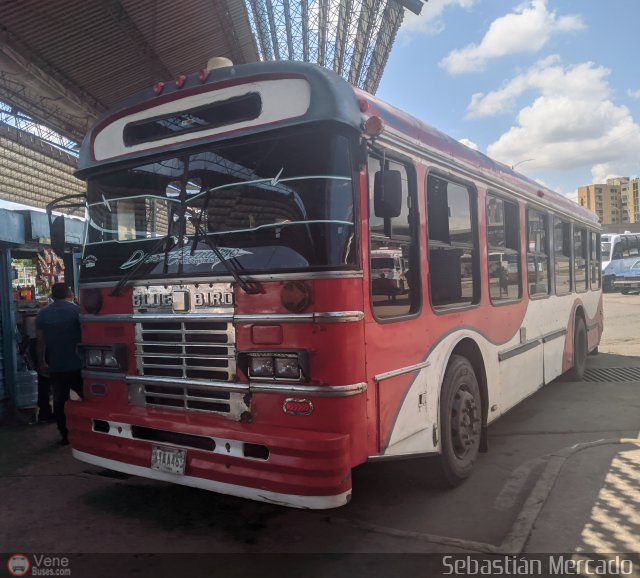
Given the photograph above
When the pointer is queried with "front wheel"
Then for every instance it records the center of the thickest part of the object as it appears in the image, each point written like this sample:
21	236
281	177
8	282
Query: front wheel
460	421
580	350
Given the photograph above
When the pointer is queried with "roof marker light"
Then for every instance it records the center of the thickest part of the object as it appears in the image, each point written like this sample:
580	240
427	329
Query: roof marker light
373	126
363	104
204	74
158	87
541	194
218	62
180	80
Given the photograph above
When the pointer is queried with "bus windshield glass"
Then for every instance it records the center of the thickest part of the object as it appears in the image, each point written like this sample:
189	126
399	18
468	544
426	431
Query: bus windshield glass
279	205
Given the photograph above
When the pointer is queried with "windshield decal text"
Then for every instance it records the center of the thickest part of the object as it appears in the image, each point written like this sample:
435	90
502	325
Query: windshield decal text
184	256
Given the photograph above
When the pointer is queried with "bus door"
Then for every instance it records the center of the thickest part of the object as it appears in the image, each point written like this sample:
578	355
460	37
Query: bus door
394	343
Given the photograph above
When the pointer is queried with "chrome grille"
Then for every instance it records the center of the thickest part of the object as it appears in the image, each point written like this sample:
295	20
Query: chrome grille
183	349
188	396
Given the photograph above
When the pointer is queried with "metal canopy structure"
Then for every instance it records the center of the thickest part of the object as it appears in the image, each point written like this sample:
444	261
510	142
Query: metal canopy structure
351	37
63	62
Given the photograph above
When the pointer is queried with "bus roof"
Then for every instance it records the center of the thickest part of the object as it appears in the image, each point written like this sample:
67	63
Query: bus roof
329	98
423	138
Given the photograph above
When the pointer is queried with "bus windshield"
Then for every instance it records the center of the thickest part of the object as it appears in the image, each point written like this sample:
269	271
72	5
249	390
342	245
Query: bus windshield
284	204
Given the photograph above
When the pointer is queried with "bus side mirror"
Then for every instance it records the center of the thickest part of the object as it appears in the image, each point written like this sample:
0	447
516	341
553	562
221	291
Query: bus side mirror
57	235
387	194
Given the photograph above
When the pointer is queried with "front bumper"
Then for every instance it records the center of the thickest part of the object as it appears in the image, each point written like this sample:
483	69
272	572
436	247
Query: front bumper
627	284
301	469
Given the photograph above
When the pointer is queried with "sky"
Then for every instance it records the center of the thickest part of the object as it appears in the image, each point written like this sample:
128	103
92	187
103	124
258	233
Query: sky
551	87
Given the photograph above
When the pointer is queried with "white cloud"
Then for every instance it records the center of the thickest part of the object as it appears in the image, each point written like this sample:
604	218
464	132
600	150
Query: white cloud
634	93
551	78
429	21
469	143
571	123
525	30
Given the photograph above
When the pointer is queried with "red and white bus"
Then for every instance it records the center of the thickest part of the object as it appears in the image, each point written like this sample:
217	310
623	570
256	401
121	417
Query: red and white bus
233	335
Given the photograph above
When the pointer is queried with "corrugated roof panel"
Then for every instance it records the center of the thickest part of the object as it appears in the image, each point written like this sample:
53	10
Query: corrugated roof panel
109	49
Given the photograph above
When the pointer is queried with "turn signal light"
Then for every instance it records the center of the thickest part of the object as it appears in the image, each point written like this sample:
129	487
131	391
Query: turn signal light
295	296
91	300
297	406
373	126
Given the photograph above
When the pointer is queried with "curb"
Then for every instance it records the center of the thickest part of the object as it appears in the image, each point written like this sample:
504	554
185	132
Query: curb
517	537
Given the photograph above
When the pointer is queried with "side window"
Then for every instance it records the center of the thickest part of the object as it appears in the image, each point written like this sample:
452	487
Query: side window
617	249
453	245
503	246
595	261
537	253
394	261
562	256
580	259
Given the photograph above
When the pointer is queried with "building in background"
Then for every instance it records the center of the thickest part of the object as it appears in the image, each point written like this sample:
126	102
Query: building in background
616	202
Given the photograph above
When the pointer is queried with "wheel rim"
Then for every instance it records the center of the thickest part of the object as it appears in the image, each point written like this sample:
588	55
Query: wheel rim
465	422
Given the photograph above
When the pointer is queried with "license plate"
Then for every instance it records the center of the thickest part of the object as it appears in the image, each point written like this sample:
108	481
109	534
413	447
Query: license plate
168	460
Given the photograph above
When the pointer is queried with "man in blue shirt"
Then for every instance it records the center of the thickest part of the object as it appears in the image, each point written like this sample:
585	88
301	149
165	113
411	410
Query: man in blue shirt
58	330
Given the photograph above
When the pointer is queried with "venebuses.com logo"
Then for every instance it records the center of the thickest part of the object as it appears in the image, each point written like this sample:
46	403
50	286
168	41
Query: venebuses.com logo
38	565
18	565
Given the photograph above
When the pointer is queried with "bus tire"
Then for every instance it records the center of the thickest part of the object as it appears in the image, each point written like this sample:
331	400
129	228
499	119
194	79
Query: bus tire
460	422
580	350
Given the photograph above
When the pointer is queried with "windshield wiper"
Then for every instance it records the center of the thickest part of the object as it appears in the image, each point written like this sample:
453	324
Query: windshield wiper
117	290
254	289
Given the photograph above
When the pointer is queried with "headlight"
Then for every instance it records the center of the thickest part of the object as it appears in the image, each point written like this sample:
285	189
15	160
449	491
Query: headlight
275	365
110	360
93	357
287	367
105	357
261	367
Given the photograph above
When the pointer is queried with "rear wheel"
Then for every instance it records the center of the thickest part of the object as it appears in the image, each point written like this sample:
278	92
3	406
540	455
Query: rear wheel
460	421
580	350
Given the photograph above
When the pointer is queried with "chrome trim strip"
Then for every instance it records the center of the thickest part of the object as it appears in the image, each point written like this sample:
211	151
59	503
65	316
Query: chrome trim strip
338	316
292	500
321	317
107	376
400	371
260	277
110	318
175	381
553	335
310	390
230	386
509	353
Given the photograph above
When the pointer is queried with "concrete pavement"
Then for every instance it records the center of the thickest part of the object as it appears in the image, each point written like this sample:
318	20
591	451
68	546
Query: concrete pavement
561	475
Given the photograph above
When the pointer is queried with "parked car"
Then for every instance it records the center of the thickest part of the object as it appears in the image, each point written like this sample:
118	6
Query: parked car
616	269
627	280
